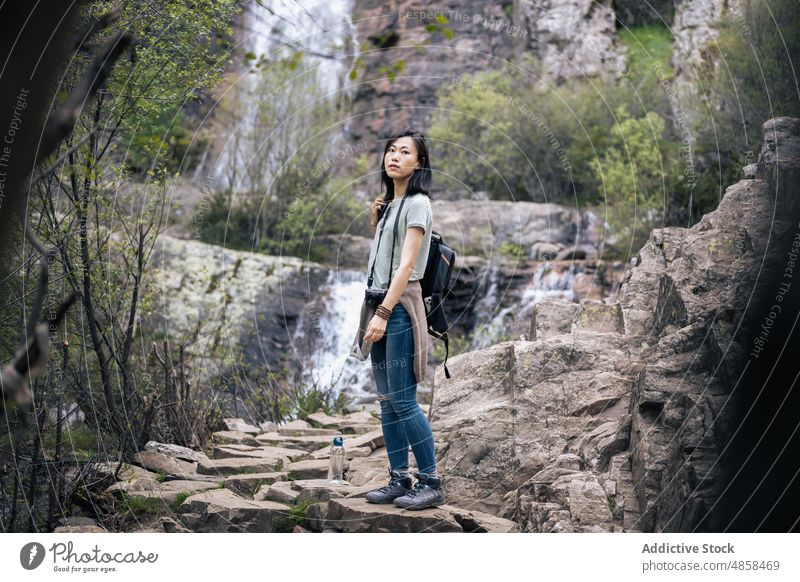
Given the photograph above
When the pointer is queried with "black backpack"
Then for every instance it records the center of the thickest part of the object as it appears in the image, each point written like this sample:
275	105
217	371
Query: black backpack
436	288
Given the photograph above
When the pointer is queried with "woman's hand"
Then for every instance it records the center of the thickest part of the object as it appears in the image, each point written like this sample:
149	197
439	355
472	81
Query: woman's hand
376	328
377	204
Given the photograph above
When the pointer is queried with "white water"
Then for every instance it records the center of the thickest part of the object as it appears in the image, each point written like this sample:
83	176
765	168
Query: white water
323	30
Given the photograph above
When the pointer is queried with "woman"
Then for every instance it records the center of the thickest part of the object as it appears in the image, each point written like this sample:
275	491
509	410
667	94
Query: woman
398	328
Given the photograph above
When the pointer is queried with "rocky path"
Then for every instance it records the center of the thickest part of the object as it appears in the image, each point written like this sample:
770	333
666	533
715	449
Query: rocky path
274	479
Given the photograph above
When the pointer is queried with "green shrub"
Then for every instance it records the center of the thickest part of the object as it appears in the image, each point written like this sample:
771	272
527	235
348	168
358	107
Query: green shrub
295	516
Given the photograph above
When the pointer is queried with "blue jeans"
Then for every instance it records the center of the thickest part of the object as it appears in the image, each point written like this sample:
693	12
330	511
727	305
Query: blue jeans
402	419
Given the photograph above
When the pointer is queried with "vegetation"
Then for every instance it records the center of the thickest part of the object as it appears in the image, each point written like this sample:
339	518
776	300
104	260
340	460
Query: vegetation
621	143
295	516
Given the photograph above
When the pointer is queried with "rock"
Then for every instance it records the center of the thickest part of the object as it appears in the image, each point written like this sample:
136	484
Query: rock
221	510
268	426
247	484
545	251
279	491
168	491
308	431
161	463
320	489
127	472
233	466
79	529
472	521
321	420
363	470
316	514
373	440
177	451
300	529
77	520
349	453
599	316
234	437
571	254
240	425
552	317
355	428
357	515
260	452
749	171
361	417
296	424
311	469
306	443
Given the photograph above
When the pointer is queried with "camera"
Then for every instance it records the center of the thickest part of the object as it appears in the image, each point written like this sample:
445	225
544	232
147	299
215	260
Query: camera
374	296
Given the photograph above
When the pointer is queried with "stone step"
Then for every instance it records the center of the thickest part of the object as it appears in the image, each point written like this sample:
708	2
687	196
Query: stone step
230	437
246	484
261	452
354	515
311	469
240	425
221	510
307	431
349	453
161	463
307	443
176	451
279	491
233	466
167	491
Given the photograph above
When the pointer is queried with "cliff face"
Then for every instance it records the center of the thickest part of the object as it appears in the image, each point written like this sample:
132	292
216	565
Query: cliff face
614	417
569	37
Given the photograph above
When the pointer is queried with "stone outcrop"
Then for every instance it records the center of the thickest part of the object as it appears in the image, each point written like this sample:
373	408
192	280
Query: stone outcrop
615	421
295	497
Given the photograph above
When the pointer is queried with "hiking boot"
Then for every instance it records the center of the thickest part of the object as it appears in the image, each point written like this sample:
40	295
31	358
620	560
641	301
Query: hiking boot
397	487
428	492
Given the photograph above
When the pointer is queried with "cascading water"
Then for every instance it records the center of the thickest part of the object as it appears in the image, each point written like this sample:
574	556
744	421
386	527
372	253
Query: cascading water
325	350
495	320
323	30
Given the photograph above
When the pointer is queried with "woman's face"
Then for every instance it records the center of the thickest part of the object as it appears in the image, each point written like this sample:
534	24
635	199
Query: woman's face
400	160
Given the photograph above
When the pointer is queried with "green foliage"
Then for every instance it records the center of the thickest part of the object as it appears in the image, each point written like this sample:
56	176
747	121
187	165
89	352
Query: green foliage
295	516
310	399
513	251
637	170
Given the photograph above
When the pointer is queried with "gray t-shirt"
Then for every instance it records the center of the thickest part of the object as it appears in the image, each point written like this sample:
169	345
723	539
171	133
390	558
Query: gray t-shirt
416	212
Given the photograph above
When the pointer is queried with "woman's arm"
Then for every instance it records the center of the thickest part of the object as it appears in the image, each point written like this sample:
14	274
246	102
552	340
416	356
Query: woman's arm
411	246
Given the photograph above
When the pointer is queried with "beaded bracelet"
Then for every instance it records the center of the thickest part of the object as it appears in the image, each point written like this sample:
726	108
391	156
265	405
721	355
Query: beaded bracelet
383	312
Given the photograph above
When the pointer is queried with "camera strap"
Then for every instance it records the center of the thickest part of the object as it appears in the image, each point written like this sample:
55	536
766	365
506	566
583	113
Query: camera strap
394	238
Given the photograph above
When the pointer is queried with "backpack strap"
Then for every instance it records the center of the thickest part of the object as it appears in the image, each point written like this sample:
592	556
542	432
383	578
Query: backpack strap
394	240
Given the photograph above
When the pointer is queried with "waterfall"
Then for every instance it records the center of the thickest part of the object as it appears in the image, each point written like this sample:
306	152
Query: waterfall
325	352
323	30
495	320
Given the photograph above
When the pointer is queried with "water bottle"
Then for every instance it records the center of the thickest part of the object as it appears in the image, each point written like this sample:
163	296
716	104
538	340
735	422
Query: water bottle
336	461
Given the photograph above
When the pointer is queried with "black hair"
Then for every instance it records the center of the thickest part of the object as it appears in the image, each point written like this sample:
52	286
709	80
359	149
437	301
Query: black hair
420	180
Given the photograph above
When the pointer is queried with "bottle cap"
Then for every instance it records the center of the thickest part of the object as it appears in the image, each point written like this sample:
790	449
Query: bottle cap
338	441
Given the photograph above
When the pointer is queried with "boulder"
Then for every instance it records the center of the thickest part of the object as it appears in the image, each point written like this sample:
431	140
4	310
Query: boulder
161	463
306	443
221	510
233	466
551	317
311	469
247	484
321	420
279	491
177	451
356	515
260	452
168	491
240	425
228	437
